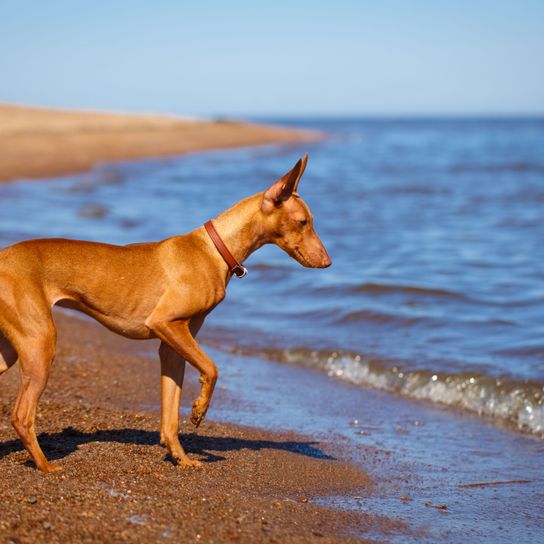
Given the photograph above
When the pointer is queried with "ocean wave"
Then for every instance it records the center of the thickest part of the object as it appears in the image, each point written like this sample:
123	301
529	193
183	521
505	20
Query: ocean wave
378	317
384	289
516	402
380	288
534	351
514	167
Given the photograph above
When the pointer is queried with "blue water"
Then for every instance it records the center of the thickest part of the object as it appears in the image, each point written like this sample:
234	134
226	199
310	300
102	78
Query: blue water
435	230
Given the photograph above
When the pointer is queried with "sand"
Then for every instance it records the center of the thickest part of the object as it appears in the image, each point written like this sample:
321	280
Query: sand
98	418
40	143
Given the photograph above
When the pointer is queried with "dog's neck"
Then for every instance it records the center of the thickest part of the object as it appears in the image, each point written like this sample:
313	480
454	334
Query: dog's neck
241	228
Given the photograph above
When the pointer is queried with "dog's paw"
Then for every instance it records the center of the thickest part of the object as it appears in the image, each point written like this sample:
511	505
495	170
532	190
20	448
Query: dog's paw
50	468
189	463
196	419
197	414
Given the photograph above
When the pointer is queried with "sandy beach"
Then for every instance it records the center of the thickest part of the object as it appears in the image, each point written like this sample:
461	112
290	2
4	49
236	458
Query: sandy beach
118	485
40	142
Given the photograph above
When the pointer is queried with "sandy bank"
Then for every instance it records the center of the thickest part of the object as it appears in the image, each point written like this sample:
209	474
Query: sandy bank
118	484
37	142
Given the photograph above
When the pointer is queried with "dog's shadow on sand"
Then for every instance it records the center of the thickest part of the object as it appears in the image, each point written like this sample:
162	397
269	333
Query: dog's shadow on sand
59	445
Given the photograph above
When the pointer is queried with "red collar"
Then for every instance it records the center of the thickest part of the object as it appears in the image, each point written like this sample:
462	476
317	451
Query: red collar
234	266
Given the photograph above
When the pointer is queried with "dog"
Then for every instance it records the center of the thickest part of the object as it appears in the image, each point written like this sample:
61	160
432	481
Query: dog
160	290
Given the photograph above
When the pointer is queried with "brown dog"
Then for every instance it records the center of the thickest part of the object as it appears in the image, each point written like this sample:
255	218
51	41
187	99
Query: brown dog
154	290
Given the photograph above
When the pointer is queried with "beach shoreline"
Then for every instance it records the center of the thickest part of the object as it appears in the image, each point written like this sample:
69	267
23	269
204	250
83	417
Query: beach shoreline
257	485
43	143
291	454
99	419
281	465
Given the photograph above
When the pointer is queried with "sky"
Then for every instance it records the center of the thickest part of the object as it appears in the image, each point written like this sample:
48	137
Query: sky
281	58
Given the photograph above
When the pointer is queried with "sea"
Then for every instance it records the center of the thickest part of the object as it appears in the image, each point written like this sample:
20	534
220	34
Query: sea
436	232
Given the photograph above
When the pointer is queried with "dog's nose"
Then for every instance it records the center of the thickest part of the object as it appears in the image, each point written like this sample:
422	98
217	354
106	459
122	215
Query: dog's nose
326	260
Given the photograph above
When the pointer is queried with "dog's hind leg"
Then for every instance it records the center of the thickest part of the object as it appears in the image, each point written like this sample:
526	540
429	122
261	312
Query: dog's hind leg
8	356
36	349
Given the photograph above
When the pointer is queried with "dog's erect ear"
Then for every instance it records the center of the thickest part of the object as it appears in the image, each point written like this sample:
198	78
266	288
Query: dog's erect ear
302	168
284	187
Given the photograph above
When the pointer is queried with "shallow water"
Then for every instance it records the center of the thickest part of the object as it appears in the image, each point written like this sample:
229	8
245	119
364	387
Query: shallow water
414	453
434	227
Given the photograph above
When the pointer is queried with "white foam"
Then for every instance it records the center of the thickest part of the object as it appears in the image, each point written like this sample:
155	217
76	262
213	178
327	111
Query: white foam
518	402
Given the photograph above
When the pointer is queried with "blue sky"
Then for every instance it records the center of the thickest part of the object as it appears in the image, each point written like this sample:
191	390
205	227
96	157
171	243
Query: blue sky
383	57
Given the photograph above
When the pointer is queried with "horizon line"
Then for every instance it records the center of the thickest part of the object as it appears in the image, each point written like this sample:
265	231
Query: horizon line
283	115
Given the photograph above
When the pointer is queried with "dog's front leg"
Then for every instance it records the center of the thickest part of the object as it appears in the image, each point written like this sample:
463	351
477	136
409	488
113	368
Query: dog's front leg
172	373
178	336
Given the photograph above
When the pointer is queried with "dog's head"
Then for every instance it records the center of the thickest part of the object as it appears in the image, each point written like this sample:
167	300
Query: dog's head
288	221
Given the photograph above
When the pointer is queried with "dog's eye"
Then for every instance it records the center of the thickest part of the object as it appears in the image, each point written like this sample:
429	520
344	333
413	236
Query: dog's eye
303	222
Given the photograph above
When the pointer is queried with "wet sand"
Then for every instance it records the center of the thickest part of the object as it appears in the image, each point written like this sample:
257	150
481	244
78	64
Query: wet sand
419	456
98	418
39	142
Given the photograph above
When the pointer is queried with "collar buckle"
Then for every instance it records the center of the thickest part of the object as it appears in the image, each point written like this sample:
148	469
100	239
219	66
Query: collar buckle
239	271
